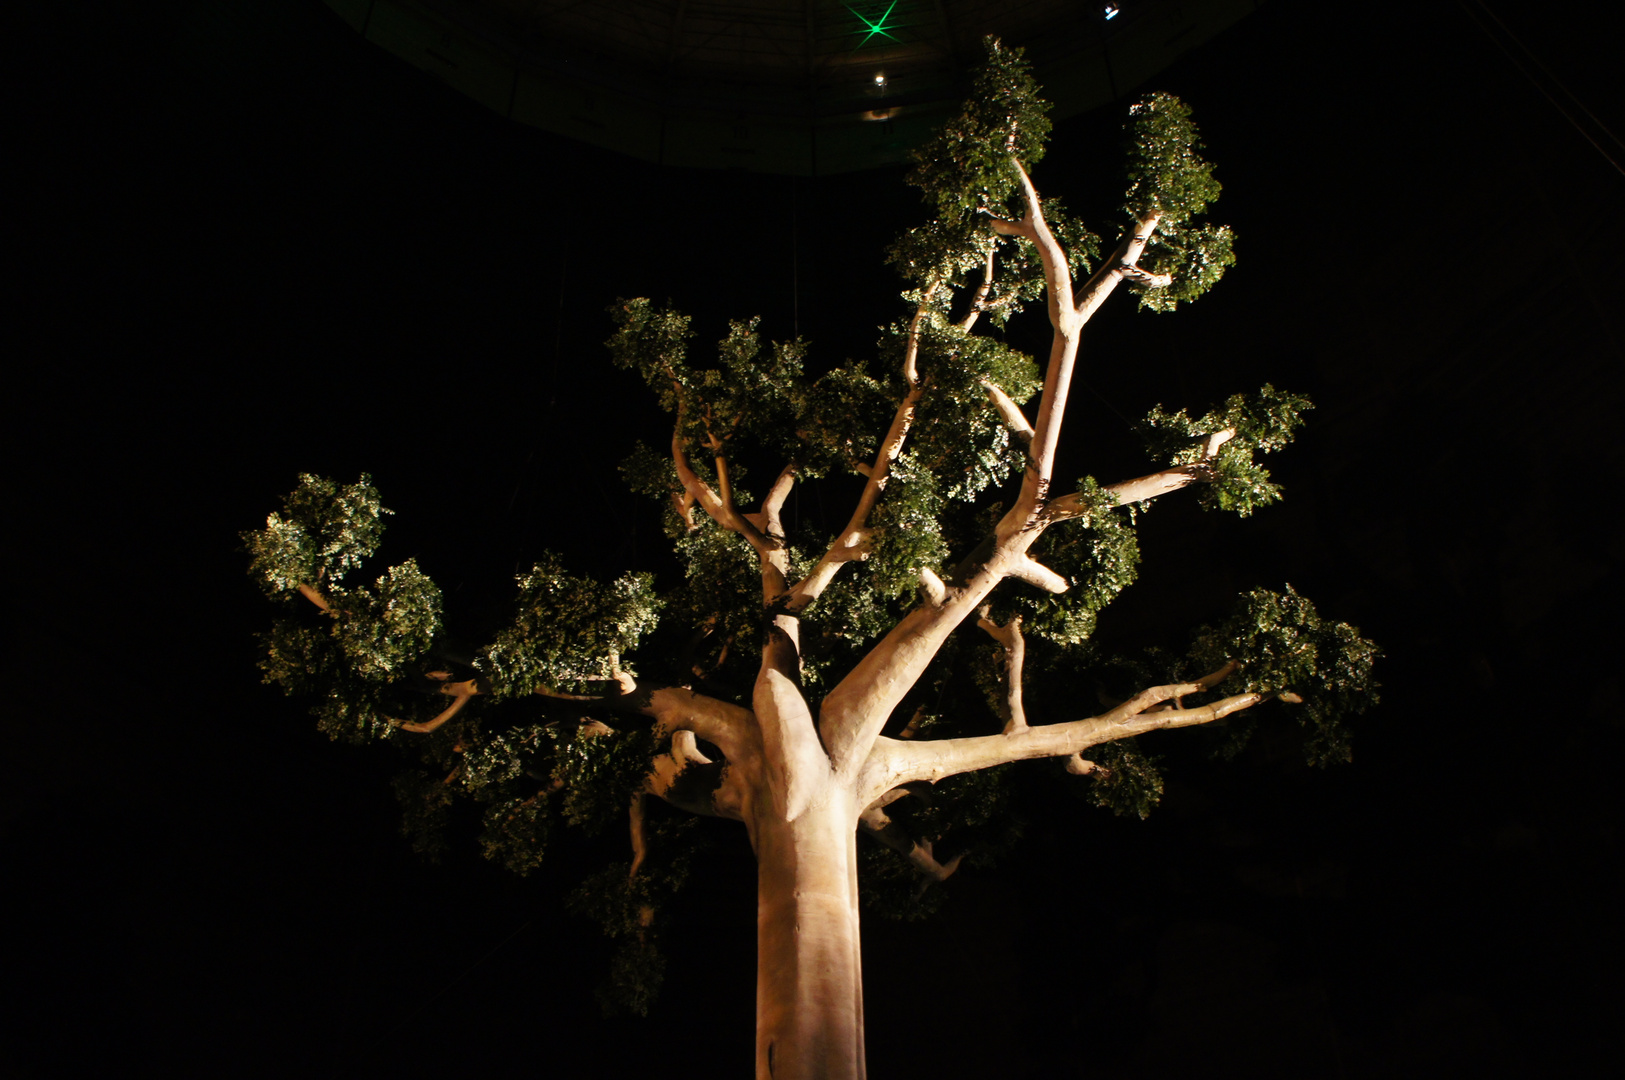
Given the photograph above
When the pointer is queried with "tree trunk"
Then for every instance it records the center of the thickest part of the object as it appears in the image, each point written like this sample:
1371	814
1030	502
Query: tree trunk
809	970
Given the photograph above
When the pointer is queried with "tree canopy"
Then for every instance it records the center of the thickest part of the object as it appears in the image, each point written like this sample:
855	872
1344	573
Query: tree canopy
906	662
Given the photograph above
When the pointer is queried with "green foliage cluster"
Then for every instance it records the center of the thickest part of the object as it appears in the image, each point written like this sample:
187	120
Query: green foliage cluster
354	711
966	169
1124	781
323	532
755	394
1098	554
514	832
721	594
600	770
632	911
956	434
352	658
953	259
908	528
959	447
967	175
298	657
1263	422
1169	177
494	766
567	630
844	418
365	661
850	614
1285	646
385	628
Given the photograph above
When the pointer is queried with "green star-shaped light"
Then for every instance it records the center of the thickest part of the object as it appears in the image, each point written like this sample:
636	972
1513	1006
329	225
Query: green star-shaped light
875	26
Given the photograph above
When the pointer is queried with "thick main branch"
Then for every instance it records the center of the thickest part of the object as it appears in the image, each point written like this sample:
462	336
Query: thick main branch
1063	352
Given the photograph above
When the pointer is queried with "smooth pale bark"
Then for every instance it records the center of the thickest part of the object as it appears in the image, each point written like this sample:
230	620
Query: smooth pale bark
918	852
461	692
851	716
315	598
1010	413
1145	488
809	970
1015	653
893	762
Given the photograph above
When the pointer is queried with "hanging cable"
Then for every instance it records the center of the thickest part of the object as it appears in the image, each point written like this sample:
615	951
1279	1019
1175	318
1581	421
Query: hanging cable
1536	83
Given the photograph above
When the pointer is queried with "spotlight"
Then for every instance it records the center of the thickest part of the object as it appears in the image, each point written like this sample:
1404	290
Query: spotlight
880	81
1111	11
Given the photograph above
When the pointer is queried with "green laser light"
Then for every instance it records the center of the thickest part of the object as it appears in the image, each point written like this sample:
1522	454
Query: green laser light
875	26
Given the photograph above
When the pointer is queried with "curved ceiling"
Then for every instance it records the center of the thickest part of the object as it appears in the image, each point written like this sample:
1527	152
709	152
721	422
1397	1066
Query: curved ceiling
788	86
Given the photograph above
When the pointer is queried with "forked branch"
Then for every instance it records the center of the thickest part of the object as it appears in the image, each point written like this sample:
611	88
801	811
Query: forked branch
855	710
1057	374
853	541
721	510
1122	266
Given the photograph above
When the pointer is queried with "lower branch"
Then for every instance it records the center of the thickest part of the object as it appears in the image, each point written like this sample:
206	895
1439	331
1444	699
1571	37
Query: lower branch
725	726
677	709
918	852
690	781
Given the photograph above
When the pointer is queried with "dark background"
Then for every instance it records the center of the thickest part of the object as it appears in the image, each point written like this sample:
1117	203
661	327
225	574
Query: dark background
247	244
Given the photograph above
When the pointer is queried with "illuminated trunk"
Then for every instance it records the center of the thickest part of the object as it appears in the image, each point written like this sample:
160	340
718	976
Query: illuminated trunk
809	970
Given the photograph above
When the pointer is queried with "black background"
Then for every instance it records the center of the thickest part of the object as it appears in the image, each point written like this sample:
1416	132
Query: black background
248	244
